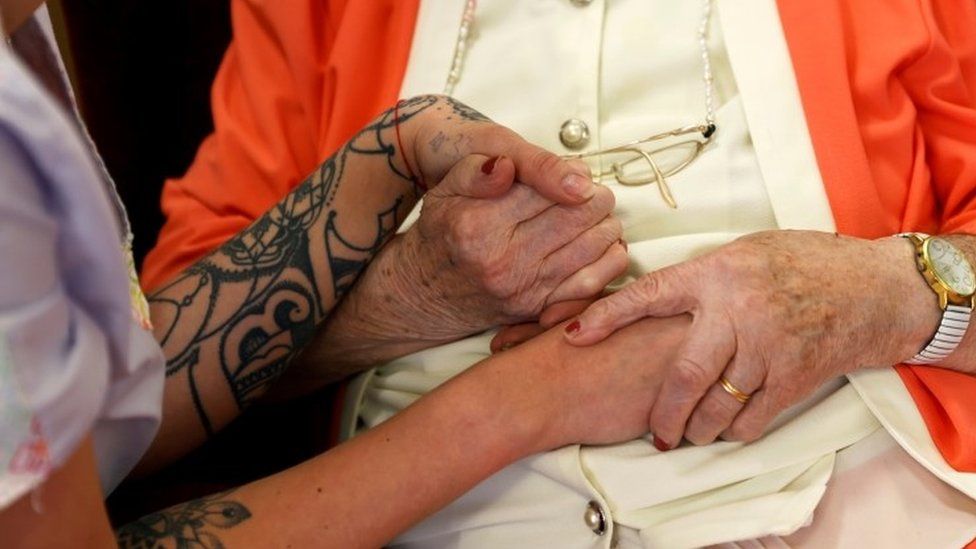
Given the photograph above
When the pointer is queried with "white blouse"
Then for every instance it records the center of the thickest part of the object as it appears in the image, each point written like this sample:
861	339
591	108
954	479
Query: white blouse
629	69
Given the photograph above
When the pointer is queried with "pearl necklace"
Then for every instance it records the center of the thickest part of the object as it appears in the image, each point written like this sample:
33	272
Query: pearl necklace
461	46
468	19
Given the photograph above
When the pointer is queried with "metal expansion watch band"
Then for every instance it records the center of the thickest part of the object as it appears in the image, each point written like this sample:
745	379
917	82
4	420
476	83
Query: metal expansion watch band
955	321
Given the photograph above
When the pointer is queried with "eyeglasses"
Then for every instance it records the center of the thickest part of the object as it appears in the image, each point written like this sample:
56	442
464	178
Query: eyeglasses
635	164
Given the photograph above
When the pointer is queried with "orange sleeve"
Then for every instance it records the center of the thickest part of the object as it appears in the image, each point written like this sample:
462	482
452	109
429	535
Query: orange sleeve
943	85
299	78
888	90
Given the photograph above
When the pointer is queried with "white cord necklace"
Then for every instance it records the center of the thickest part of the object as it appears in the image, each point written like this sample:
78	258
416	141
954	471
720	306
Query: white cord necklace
468	20
707	64
461	46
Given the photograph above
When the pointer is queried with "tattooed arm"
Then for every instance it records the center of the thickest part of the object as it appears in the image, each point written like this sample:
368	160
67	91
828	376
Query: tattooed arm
230	324
540	395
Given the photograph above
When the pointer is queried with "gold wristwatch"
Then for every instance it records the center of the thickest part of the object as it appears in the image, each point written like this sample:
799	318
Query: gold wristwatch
951	277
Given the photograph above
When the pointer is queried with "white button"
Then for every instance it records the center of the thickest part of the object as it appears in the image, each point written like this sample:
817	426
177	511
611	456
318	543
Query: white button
574	134
581	3
595	518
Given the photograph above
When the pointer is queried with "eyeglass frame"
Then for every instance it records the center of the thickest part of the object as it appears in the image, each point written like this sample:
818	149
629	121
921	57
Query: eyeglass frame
657	176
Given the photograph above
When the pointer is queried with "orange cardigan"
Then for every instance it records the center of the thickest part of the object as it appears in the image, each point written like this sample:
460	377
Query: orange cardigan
887	87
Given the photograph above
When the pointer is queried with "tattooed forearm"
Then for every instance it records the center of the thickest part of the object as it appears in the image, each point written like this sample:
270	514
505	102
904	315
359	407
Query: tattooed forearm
251	306
346	259
196	524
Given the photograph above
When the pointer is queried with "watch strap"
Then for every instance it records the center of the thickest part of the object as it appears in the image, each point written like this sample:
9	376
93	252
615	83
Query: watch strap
955	321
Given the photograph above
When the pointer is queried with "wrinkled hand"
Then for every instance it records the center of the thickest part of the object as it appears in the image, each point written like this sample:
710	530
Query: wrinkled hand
484	252
777	314
477	262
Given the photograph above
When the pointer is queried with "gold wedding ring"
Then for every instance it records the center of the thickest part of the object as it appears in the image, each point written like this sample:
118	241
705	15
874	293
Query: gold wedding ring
732	390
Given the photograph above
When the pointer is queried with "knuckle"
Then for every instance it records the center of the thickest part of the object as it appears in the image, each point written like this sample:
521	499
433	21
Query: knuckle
603	201
727	260
620	260
467	256
604	235
581	167
600	311
713	413
542	161
647	287
698	436
497	280
497	137
690	373
743	256
467	227
588	285
745	431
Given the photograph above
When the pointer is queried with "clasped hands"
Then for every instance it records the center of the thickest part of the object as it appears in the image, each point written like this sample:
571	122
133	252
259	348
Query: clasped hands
511	234
506	230
775	315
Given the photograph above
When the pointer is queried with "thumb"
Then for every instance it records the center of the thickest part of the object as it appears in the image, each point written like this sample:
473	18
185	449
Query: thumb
563	181
560	180
654	294
478	176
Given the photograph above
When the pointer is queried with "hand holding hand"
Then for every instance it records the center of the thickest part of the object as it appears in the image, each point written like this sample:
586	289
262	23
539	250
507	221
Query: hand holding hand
448	130
776	314
516	334
599	394
485	251
477	262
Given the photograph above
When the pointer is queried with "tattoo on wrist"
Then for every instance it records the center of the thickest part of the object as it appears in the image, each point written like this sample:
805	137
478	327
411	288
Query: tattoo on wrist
195	524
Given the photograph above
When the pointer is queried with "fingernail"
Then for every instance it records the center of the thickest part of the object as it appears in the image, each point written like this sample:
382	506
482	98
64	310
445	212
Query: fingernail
573	327
577	185
489	165
661	445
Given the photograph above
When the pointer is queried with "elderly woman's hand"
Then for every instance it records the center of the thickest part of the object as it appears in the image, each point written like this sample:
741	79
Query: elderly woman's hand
474	262
506	230
776	314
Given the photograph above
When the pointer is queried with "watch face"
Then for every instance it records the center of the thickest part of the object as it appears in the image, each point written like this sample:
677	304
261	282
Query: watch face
951	267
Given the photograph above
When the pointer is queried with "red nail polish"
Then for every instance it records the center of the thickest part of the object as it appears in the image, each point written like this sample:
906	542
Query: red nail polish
489	165
661	445
573	327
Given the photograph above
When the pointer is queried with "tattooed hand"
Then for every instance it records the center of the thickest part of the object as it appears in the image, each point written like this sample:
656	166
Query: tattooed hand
447	130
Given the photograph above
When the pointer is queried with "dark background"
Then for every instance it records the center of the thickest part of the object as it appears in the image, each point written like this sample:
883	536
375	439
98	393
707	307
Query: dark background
142	73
